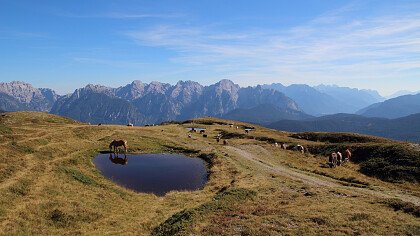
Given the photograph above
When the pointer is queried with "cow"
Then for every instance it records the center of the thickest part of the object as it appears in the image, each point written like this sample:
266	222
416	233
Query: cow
332	160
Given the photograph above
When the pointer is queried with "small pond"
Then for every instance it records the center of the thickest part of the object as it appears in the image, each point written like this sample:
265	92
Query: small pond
153	173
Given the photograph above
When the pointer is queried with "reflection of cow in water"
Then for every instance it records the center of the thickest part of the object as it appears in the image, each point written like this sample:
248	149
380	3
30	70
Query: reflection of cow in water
118	160
118	143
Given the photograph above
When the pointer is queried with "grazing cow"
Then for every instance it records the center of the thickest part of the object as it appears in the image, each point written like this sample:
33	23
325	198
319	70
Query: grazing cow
339	158
204	135
347	155
225	142
246	131
202	131
332	160
276	144
284	146
300	148
231	126
189	136
237	127
217	139
118	143
99	124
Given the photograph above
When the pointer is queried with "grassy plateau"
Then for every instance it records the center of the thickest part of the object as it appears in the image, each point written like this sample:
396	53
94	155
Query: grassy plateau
50	186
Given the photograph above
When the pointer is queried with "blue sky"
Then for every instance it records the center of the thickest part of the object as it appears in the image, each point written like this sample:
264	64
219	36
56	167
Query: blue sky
67	44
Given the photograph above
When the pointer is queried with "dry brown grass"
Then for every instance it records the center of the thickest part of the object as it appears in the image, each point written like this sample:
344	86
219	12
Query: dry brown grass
48	185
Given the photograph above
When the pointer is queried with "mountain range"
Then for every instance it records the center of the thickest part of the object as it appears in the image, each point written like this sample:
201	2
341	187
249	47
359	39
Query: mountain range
328	99
292	107
156	102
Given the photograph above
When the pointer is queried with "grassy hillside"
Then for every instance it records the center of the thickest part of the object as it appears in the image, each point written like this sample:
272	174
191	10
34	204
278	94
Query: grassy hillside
49	185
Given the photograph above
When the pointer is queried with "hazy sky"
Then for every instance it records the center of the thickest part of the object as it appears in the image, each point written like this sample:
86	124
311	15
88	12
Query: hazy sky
67	44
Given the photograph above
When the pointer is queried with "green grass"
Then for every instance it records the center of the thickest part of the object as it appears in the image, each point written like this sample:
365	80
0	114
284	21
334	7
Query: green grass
77	175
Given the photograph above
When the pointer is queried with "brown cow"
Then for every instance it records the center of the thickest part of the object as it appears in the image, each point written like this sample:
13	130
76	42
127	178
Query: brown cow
118	143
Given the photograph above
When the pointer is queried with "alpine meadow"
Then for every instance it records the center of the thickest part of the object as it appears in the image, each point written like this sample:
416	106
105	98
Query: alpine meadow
210	117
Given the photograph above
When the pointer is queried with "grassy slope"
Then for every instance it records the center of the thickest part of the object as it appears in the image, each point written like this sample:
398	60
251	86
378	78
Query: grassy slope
48	185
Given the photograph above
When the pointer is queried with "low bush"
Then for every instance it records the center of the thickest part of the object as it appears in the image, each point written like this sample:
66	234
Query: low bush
406	207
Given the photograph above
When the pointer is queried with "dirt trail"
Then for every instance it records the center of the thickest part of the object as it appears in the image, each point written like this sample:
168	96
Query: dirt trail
282	170
313	179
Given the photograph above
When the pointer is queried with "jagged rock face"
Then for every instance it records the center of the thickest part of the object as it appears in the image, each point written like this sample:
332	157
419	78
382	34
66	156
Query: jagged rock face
131	91
96	108
251	97
157	102
23	92
28	97
218	99
9	103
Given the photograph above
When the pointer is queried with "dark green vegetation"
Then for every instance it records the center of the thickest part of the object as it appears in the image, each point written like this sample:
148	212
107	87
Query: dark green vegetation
404	129
406	207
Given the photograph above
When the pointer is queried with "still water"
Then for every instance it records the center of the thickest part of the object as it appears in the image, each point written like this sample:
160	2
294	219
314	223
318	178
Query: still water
153	173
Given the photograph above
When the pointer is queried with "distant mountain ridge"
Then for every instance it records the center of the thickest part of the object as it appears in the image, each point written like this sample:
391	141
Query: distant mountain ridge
394	107
405	128
326	99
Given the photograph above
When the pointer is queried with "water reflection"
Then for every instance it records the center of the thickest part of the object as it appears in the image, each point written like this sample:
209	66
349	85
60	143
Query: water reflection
118	160
153	173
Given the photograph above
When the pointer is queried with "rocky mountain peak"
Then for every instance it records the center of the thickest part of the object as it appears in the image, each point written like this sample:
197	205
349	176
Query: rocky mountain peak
157	87
137	84
29	97
226	85
22	91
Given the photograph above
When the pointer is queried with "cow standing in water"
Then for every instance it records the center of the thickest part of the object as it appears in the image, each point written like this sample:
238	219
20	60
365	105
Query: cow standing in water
118	143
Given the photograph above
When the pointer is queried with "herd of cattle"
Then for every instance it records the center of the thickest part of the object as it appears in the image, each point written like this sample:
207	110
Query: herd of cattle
335	158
